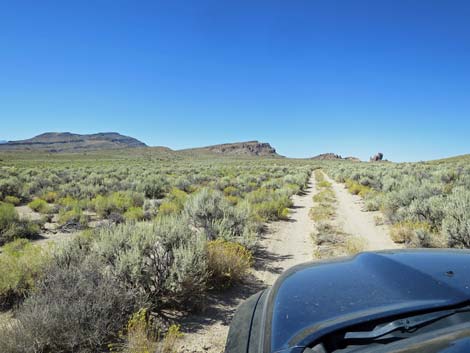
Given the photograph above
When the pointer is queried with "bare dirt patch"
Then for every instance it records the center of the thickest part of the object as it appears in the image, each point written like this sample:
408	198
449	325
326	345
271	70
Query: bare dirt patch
26	213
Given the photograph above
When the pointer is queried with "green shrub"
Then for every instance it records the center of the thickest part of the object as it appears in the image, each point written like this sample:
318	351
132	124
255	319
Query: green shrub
20	229
405	232
169	208
271	210
231	191
155	188
456	224
39	205
50	196
233	200
259	195
372	203
8	216
357	189
294	189
69	203
187	276
204	208
228	262
164	260
174	202
11	227
430	210
184	184
15	201
298	180
269	205
118	202
73	216
9	187
425	238
134	214
21	264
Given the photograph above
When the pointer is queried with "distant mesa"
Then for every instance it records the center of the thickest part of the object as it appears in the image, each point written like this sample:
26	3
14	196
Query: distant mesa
334	157
249	148
69	142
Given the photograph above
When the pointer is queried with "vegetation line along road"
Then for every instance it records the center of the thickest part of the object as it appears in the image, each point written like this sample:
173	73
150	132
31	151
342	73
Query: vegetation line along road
285	244
288	243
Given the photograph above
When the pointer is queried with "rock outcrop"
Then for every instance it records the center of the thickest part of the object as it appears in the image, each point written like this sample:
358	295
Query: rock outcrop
334	157
377	157
249	148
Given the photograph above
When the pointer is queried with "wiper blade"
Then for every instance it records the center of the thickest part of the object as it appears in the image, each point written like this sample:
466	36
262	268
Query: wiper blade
407	324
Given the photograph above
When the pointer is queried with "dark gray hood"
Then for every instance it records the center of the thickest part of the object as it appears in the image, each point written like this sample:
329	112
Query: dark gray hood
313	299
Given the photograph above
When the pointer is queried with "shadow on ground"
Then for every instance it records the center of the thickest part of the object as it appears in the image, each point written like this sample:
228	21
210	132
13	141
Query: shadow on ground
221	306
264	260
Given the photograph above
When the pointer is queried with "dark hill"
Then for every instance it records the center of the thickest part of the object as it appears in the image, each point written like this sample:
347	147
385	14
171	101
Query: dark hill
68	142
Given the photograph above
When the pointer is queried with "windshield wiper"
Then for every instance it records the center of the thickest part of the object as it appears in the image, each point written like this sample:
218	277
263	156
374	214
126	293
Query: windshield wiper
406	324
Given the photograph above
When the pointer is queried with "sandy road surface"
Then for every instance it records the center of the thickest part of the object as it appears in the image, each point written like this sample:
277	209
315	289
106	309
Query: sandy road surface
285	244
288	243
351	218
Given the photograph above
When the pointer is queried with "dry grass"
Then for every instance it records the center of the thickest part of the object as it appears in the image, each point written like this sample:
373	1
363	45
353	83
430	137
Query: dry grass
401	233
354	245
405	232
140	337
417	235
322	212
379	220
330	241
324	199
167	345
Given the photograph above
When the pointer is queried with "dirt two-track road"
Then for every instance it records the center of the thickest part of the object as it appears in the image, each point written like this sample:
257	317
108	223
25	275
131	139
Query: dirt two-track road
351	218
285	244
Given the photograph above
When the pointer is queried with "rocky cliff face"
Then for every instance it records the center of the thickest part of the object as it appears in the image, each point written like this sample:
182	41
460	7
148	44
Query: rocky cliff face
66	141
253	148
249	148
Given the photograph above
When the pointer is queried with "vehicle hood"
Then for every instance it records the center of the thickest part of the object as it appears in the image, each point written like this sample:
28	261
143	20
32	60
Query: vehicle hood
313	299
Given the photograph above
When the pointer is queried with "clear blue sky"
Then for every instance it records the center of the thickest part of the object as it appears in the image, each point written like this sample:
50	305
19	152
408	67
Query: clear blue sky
352	77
